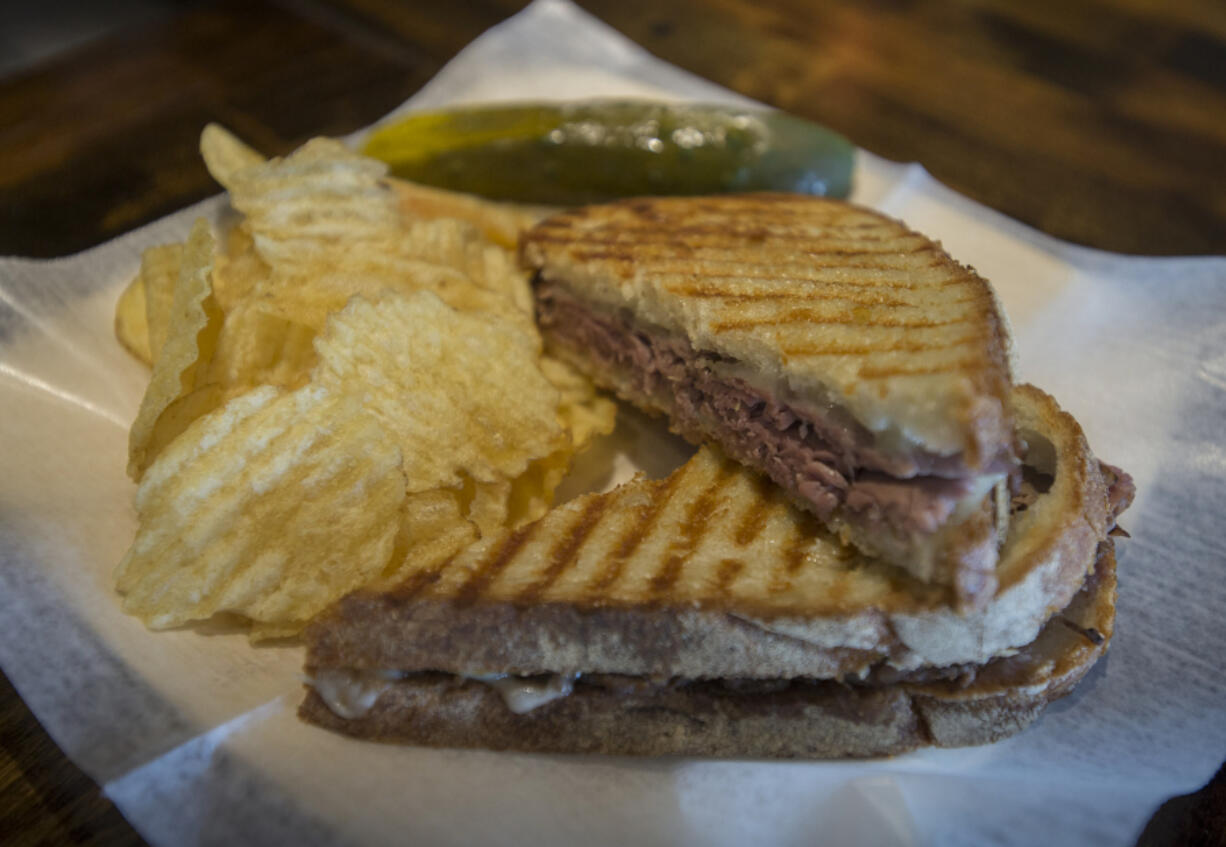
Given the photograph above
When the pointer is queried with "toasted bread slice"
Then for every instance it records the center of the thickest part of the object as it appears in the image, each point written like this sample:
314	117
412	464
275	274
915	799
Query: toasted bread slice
844	356
797	718
711	573
817	294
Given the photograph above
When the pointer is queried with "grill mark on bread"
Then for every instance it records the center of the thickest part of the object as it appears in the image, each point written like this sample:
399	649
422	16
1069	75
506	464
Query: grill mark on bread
639	257
822	291
562	555
710	270
810	317
793	296
959	366
743	279
698	259
783	266
744	225
419	580
692	529
781	572
728	571
725	236
496	559
794	553
754	519
836	591
801	280
902	346
637	531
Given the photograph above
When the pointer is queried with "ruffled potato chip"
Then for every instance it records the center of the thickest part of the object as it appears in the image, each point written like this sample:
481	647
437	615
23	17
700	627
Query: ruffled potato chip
435	526
180	367
501	223
159	275
131	325
363	356
322	225
239	272
257	347
456	244
321	200
461	392
308	296
225	155
269	507
584	414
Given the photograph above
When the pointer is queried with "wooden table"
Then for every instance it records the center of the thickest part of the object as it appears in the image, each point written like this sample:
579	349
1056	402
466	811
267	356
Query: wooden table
1103	123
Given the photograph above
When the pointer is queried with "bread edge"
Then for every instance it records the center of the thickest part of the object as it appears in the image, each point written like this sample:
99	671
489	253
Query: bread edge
836	721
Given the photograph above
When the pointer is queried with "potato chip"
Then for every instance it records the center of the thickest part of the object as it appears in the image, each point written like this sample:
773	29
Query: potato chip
513	503
239	272
531	494
459	245
328	287
181	365
461	392
584	412
131	324
346	395
159	273
269	507
501	223
309	296
433	528
178	416
225	155
321	200
257	347
487	504
322	225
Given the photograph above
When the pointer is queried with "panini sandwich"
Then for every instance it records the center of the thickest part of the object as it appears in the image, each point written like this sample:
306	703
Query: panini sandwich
845	357
706	614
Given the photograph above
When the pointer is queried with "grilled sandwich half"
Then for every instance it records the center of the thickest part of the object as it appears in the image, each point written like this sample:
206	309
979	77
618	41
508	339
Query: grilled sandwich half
845	357
706	614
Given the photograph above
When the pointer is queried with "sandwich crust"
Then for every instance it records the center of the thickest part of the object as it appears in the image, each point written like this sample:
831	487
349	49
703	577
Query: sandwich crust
711	573
822	297
797	719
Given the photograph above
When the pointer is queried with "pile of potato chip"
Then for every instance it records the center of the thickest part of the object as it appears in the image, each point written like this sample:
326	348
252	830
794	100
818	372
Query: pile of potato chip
350	389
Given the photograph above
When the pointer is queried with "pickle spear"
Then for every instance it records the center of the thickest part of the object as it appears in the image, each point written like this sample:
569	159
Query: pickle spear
592	151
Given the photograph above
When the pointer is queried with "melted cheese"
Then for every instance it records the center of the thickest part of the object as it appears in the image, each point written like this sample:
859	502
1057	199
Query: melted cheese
523	694
353	693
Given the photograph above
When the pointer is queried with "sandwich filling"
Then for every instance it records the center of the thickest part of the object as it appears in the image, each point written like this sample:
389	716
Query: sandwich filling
1084	624
876	484
352	694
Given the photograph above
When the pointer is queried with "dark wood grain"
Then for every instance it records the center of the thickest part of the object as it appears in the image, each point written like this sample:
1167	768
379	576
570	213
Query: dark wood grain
1098	123
1103	123
44	798
106	140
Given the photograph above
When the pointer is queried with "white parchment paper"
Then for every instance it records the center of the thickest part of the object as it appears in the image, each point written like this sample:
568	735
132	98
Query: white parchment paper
193	734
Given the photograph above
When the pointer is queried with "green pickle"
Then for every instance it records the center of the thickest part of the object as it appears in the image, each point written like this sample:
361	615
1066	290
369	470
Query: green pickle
592	151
